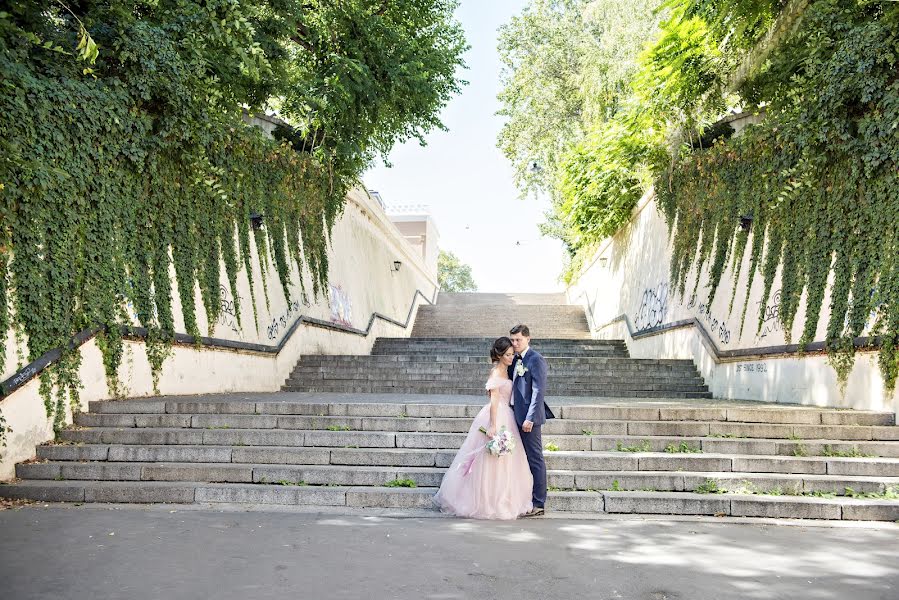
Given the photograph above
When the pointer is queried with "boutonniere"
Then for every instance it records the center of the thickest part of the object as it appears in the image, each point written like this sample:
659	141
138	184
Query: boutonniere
520	369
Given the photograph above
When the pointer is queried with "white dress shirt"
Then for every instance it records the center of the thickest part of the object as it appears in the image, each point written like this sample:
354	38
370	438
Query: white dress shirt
515	374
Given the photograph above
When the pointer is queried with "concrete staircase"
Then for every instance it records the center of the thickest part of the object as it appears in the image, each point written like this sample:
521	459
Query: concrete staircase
647	457
585	368
633	436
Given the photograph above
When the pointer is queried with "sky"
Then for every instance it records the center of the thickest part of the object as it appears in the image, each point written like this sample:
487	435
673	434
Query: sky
466	181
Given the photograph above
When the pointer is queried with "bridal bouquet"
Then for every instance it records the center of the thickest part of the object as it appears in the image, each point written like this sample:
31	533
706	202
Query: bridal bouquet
500	444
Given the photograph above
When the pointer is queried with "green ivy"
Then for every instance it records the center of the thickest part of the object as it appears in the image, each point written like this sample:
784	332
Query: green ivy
124	155
819	179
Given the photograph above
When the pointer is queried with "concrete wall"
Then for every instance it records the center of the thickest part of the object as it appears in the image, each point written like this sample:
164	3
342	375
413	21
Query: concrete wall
421	233
362	281
626	291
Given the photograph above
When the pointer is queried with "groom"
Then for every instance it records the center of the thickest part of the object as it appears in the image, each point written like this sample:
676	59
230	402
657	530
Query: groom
528	375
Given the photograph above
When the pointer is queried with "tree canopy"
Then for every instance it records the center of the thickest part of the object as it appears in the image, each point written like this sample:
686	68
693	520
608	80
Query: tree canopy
453	275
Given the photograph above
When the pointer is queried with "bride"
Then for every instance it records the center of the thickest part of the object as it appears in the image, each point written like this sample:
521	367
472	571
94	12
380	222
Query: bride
478	484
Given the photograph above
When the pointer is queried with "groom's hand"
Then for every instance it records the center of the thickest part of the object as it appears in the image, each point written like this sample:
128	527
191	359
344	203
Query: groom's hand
527	426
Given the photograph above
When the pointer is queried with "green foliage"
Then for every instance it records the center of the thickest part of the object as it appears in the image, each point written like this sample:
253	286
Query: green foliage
453	275
682	448
406	483
853	452
567	66
604	176
551	447
643	446
818	177
709	486
735	24
680	79
113	175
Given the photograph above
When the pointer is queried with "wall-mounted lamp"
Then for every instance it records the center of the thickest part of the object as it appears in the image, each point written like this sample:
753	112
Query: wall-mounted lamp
603	261
396	265
256	220
745	222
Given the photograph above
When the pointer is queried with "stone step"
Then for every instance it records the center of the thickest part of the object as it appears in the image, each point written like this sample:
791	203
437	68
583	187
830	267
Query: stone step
632	364
321	448
724	434
489	339
538	344
728	411
495	299
546	330
480	376
482	342
440	382
483	349
596	441
684	503
474	391
485	353
790	484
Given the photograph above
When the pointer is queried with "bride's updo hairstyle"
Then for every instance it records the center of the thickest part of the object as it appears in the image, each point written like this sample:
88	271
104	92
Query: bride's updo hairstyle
499	348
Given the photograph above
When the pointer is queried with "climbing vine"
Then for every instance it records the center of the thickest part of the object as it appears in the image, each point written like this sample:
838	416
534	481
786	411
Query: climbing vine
125	155
816	185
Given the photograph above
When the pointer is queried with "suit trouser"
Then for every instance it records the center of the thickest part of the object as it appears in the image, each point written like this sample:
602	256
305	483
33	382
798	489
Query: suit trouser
533	447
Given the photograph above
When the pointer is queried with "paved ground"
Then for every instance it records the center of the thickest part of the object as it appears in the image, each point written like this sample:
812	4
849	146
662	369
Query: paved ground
129	552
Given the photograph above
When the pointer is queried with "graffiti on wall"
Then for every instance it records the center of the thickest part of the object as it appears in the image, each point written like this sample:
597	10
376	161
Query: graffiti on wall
717	327
770	316
341	307
653	306
227	315
280	324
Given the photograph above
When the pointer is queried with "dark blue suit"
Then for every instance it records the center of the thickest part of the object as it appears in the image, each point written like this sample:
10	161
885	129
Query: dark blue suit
528	405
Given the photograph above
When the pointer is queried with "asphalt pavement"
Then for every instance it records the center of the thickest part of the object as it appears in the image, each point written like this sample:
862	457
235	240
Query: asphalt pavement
258	553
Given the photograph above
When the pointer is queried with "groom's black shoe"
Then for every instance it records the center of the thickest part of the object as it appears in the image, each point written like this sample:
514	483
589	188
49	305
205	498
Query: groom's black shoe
537	511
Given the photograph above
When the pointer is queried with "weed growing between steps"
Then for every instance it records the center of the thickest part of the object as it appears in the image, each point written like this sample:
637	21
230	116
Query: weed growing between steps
712	486
890	493
643	446
405	483
854	452
551	447
682	448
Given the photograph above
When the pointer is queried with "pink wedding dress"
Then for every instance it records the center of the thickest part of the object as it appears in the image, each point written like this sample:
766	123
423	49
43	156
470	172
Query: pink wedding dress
482	486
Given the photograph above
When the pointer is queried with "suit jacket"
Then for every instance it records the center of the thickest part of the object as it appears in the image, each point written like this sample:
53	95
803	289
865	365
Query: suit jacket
528	390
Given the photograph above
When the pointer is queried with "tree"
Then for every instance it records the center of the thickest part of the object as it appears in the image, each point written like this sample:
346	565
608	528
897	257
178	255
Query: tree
453	275
567	64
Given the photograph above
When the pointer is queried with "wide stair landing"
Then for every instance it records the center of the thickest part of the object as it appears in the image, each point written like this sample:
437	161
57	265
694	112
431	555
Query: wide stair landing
633	436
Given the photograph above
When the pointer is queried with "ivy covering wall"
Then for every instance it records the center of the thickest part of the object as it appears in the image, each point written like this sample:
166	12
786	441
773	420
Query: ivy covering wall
819	178
124	154
815	185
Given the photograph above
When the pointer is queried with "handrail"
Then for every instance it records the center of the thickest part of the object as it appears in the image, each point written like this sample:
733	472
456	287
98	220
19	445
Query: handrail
34	368
718	354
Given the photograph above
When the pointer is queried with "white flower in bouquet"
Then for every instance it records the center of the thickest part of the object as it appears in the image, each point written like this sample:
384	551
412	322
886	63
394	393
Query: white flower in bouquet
500	444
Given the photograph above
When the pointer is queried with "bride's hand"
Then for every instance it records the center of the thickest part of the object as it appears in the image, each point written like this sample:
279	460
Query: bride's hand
491	431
